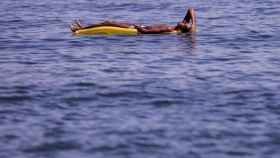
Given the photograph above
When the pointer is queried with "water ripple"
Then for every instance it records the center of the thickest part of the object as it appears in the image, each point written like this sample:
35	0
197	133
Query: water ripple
210	94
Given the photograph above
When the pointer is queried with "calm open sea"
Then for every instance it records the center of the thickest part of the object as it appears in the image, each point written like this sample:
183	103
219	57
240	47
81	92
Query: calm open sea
213	94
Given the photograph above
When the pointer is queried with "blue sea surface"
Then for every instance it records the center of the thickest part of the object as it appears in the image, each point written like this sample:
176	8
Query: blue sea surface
212	94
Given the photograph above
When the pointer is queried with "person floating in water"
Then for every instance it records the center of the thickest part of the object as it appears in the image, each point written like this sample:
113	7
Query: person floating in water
188	24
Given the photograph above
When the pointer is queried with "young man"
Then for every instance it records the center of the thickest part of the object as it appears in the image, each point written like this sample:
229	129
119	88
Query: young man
188	24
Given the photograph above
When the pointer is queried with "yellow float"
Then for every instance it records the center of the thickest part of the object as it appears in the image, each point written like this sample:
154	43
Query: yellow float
108	30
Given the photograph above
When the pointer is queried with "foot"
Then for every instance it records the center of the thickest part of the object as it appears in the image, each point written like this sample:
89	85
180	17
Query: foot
78	23
76	26
73	28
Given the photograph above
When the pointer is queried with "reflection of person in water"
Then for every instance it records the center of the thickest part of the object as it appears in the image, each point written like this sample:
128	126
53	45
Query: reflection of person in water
187	25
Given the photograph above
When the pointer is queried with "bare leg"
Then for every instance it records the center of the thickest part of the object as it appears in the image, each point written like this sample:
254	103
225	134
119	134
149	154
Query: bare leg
77	25
110	23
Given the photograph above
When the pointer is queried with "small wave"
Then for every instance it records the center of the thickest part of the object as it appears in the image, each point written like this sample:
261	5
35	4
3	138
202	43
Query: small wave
51	147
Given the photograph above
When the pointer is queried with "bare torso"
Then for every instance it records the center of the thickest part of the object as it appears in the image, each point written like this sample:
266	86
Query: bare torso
159	26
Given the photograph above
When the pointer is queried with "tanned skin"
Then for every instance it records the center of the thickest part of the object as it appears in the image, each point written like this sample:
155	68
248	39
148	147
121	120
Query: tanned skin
188	24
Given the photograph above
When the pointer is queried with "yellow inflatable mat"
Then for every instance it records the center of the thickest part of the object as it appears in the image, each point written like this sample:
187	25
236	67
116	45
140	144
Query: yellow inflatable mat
109	30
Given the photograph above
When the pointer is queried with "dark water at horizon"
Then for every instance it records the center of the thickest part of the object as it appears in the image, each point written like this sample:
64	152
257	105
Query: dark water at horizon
212	94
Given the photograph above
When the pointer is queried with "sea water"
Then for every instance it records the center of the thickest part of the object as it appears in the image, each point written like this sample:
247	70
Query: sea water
214	94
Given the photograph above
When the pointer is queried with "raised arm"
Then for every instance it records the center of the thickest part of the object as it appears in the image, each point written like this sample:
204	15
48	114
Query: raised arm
190	17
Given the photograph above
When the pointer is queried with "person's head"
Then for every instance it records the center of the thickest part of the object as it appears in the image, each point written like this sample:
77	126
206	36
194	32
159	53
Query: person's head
183	27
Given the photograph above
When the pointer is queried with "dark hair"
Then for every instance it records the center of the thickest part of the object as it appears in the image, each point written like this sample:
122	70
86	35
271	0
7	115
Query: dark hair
184	29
